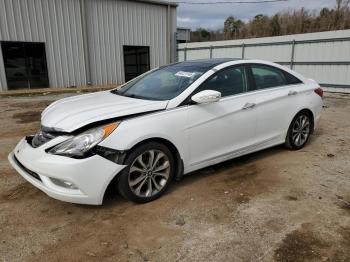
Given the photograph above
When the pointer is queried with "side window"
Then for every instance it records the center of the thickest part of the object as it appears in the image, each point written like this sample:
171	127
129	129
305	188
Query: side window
228	81
292	80
267	76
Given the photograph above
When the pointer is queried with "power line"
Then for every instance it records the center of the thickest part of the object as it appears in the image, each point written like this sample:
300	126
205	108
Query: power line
229	2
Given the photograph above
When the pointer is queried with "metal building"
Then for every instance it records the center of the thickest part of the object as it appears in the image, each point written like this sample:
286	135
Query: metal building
60	43
183	35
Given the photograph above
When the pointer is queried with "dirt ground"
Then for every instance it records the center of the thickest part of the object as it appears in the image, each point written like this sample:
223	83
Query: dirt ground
275	205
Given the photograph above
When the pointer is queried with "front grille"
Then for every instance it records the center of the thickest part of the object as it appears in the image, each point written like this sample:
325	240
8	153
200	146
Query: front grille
29	172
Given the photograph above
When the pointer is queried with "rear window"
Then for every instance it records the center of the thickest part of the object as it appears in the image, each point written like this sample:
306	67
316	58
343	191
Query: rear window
268	76
292	80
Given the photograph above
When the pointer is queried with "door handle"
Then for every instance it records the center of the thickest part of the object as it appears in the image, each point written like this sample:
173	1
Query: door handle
292	93
248	105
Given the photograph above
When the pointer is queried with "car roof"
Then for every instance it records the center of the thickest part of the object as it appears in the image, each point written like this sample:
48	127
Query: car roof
204	64
210	63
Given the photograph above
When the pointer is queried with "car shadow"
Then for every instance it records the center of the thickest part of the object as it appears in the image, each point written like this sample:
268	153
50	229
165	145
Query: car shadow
239	162
112	198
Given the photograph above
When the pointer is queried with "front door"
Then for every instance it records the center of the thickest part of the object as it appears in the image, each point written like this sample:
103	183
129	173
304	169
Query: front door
219	130
25	65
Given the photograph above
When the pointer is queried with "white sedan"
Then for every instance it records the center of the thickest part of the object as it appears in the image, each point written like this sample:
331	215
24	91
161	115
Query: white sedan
163	124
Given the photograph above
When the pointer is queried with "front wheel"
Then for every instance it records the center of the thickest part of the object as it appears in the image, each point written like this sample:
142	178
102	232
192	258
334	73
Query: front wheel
149	171
299	131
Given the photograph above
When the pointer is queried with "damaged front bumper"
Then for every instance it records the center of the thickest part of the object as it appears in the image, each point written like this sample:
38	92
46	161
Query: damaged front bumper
82	181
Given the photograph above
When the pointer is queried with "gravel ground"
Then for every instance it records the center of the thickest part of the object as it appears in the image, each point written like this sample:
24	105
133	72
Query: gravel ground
275	205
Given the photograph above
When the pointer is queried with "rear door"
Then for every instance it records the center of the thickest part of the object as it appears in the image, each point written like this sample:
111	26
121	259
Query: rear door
218	130
276	94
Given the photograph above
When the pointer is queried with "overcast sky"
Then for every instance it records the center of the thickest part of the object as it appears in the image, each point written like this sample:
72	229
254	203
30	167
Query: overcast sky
213	16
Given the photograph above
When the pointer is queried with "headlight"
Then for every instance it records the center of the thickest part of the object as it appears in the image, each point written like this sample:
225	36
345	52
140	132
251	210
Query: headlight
78	145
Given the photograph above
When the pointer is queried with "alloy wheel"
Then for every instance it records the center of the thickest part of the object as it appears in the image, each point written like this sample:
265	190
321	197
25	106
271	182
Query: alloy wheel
301	130
149	173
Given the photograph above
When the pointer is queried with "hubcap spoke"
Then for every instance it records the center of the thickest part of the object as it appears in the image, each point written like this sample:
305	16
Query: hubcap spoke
297	123
138	189
298	139
150	159
159	156
162	174
302	121
140	161
137	180
295	136
136	169
158	187
162	167
305	125
149	187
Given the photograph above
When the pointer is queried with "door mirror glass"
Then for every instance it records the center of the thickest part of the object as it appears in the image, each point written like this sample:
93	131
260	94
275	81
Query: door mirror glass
206	97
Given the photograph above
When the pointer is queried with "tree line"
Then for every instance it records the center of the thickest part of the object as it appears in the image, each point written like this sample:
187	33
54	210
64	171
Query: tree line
283	23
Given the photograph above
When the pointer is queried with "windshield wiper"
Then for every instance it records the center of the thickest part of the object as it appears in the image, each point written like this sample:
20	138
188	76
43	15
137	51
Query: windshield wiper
136	96
117	92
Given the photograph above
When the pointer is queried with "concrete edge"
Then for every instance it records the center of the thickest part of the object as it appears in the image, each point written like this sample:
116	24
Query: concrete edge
336	90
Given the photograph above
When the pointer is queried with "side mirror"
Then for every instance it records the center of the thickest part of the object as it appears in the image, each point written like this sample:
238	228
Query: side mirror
206	97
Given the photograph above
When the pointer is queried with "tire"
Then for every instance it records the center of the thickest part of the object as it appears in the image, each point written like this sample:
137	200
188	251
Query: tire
299	131
141	183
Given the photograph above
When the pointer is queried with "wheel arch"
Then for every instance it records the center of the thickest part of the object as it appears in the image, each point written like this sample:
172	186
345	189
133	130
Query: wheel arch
179	166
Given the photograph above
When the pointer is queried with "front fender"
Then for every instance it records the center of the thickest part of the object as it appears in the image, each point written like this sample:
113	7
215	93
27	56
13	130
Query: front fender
169	125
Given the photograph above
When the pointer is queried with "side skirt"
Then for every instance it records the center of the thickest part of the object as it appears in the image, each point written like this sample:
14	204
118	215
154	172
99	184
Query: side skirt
248	150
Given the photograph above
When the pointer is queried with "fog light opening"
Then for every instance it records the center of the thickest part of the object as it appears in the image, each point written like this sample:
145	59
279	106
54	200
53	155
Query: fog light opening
62	183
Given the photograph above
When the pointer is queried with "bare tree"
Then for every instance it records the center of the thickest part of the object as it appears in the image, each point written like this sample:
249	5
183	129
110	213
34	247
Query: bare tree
288	22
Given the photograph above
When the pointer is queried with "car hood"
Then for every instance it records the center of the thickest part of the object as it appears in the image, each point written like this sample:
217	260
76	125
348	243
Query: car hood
71	113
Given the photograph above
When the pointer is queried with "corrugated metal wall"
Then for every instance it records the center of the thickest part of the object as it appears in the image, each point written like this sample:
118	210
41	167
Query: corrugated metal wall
323	56
110	24
58	25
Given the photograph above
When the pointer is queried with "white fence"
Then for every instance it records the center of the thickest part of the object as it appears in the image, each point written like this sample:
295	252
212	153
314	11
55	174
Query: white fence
323	56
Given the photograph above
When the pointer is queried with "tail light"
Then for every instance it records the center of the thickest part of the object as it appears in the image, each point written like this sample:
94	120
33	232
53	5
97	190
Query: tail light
319	91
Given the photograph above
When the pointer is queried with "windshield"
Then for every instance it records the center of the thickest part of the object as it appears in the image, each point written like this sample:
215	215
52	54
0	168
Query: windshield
164	83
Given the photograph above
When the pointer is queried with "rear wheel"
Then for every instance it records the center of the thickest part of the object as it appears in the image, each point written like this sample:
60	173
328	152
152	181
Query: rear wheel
149	171
299	131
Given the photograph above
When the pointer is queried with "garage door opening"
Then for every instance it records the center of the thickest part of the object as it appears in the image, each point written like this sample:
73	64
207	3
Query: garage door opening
25	65
136	61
